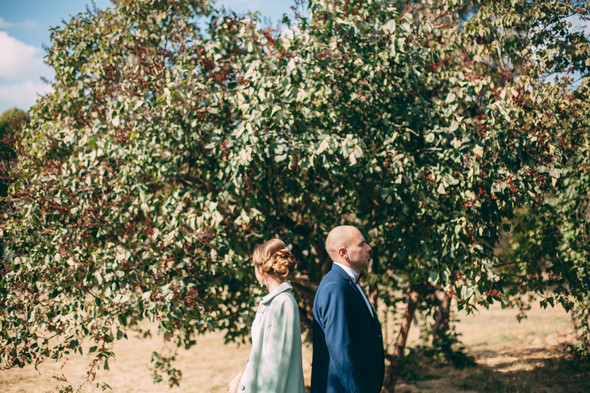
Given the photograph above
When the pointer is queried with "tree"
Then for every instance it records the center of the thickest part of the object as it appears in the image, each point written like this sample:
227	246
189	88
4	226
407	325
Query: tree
11	121
419	129
547	245
120	209
547	249
166	153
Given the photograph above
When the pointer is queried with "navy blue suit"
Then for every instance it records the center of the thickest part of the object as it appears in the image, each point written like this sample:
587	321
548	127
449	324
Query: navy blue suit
347	340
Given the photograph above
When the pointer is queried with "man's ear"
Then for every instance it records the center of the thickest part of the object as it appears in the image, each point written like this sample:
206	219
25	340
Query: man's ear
342	252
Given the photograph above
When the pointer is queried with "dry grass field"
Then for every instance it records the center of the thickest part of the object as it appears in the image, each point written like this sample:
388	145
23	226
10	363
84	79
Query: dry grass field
511	357
527	356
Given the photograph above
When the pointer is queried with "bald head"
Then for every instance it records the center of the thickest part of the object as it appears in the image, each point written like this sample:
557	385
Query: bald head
340	238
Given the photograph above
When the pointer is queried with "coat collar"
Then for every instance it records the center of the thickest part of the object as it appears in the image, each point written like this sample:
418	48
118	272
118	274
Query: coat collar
343	273
340	270
284	287
349	271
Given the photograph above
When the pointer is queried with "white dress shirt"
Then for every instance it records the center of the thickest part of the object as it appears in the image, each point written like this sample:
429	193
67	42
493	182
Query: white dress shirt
350	271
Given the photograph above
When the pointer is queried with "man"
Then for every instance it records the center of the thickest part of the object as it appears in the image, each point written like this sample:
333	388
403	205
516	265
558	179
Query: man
347	341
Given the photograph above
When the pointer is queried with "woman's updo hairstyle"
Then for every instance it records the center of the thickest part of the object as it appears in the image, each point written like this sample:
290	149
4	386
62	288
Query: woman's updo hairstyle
272	257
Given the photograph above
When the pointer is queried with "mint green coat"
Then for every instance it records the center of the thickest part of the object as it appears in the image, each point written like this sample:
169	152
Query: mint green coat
275	364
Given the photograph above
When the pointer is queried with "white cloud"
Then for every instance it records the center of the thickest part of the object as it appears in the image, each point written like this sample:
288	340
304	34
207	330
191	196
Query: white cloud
579	24
251	4
289	32
20	61
21	95
27	23
21	69
273	9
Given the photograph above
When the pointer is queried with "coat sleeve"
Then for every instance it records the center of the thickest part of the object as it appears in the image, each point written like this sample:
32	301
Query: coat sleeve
277	347
336	313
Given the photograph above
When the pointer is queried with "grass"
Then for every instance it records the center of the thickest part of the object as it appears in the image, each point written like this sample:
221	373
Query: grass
523	375
484	380
510	357
561	374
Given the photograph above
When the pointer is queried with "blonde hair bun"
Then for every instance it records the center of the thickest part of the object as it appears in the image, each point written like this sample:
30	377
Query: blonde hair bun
273	257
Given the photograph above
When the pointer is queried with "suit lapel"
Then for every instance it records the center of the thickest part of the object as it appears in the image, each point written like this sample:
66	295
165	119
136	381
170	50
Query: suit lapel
356	290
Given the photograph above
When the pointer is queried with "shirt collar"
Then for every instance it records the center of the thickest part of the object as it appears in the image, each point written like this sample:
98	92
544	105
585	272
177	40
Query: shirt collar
284	287
350	271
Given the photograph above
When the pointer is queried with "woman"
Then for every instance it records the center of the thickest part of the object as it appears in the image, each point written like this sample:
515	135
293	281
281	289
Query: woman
274	364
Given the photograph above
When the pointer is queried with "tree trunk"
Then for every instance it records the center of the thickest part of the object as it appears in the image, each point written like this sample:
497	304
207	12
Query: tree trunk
441	325
581	321
305	293
373	289
392	372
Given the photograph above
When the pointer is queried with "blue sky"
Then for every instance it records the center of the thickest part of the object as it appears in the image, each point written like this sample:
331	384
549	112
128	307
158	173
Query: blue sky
24	29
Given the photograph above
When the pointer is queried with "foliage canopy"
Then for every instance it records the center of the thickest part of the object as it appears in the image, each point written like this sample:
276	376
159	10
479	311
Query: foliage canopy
168	150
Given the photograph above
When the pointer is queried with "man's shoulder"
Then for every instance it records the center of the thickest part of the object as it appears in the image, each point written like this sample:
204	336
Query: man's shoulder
334	288
333	281
332	276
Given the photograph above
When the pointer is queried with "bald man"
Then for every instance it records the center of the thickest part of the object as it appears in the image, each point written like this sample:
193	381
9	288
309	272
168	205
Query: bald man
347	341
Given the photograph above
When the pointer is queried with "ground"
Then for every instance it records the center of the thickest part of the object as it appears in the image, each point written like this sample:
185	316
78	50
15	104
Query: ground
511	356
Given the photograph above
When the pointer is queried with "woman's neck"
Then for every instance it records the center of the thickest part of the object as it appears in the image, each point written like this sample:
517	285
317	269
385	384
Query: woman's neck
273	282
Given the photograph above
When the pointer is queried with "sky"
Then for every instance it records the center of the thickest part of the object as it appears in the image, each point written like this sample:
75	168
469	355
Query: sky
25	30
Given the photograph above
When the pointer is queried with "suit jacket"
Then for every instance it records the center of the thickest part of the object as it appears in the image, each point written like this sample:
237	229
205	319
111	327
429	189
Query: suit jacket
348	351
